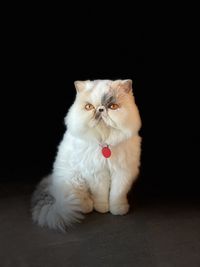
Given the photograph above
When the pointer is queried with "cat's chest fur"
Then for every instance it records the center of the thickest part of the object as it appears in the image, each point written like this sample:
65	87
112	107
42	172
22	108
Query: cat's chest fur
87	159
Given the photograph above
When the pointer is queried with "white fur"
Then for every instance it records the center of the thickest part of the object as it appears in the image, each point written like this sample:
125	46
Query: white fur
82	179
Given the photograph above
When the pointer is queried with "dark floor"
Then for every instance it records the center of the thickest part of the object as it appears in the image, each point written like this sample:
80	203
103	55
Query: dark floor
157	232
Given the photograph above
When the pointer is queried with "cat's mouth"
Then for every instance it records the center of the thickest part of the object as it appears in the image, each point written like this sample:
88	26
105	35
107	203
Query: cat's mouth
103	119
98	119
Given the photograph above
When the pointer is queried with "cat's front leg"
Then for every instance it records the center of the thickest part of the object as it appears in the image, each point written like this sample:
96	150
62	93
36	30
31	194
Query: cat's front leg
99	186
121	183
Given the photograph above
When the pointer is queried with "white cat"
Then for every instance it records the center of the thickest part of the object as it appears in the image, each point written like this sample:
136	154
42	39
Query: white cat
98	159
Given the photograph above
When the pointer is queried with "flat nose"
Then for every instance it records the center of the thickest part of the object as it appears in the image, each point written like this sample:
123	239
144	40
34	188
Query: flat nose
101	109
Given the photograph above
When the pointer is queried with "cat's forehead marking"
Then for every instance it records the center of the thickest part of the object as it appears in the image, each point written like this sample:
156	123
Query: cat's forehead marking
108	98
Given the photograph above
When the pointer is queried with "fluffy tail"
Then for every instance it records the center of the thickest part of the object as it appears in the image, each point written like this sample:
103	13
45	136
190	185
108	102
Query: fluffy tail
57	211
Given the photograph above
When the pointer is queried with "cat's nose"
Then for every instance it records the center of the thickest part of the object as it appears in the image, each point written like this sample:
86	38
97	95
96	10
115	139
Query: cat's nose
101	109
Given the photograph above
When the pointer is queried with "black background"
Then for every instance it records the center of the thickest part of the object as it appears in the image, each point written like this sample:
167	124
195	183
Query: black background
45	52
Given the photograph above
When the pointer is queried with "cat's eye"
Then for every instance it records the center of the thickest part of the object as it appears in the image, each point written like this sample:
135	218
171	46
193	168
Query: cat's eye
89	107
113	106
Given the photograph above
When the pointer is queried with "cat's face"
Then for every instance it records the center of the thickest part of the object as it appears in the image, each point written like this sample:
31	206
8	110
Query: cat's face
103	109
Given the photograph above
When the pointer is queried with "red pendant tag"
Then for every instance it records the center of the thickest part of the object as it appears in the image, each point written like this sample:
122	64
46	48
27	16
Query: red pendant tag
106	152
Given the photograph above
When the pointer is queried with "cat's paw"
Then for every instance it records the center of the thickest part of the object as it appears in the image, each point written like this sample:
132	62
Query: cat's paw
119	209
87	205
102	207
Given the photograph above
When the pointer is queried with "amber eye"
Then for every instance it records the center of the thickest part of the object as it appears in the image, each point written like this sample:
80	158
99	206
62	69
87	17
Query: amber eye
114	106
89	107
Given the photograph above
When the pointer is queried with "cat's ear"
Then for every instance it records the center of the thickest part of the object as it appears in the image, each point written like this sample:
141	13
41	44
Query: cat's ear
125	85
80	85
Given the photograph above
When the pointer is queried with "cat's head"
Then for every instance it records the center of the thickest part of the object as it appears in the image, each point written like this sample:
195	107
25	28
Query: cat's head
104	111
